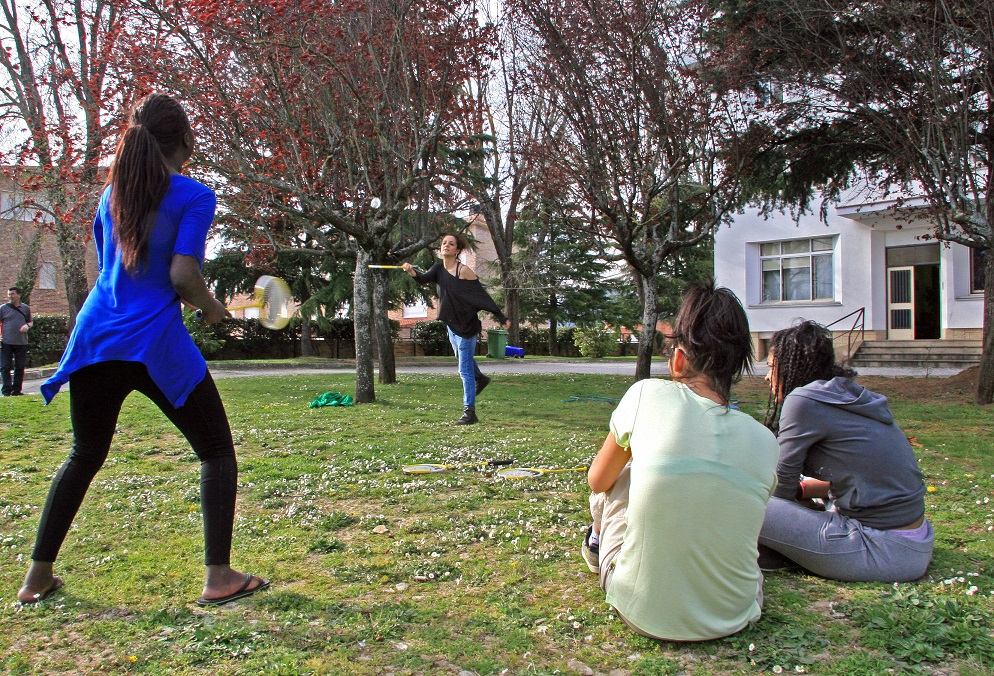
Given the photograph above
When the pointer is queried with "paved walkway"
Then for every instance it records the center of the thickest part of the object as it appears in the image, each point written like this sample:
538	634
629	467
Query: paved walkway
35	377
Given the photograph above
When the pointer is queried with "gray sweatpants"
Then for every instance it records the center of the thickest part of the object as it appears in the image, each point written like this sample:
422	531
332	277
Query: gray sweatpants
839	548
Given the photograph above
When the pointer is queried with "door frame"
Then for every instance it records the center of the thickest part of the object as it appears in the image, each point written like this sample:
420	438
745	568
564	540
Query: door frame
904	307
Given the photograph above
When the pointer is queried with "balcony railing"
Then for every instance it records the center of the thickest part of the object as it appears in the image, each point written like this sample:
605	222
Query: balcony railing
854	335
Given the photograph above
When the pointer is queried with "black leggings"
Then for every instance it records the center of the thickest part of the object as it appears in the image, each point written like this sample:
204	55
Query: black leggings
96	394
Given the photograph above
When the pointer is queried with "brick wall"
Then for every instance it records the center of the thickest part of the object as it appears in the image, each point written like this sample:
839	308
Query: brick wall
14	239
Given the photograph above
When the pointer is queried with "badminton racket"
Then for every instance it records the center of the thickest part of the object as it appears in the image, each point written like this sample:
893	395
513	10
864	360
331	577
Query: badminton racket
431	468
525	472
386	267
272	297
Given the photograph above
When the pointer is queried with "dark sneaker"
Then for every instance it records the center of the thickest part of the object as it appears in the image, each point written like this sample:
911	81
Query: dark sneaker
771	560
468	417
481	384
591	553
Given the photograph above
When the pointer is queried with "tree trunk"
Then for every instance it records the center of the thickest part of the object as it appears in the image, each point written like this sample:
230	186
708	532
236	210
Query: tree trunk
502	240
27	276
553	325
72	253
381	328
512	303
512	308
985	379
650	315
306	346
365	392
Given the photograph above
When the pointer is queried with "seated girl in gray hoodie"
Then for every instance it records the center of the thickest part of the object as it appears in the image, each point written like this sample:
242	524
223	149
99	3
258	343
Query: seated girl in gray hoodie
843	439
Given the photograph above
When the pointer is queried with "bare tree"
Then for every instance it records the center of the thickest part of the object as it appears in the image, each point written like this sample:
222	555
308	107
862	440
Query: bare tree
500	127
642	133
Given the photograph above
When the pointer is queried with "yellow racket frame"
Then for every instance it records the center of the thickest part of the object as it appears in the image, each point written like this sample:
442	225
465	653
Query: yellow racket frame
509	473
272	295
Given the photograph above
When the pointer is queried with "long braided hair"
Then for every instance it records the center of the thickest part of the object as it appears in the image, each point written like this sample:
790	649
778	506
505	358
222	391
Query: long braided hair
802	354
139	176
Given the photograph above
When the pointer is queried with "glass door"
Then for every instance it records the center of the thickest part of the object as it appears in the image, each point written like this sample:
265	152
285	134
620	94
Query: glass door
901	303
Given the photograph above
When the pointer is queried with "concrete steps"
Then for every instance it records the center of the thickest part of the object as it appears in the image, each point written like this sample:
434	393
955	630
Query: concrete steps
918	353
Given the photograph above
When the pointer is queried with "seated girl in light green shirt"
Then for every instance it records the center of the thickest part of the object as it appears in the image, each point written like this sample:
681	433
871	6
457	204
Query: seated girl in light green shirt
681	484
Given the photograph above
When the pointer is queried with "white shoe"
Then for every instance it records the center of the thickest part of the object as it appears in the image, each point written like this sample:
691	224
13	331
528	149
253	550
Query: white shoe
591	555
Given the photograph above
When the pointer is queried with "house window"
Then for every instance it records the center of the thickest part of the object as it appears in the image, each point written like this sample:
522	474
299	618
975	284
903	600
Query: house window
419	309
798	270
46	276
10	207
978	259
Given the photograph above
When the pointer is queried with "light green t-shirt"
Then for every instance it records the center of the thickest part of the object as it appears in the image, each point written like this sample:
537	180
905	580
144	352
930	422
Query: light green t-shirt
701	475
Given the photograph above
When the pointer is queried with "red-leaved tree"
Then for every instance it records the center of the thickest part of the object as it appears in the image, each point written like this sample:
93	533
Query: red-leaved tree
642	139
321	123
67	76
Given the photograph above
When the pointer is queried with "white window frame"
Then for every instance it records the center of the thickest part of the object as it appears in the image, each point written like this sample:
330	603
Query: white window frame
791	254
414	310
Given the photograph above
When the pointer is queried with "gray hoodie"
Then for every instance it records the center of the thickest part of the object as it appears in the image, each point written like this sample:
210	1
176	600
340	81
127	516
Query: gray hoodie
838	431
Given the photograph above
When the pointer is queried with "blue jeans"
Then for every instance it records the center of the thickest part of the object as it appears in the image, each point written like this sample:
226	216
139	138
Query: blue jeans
464	349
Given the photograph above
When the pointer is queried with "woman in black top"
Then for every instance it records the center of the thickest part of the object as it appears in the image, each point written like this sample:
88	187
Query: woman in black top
461	297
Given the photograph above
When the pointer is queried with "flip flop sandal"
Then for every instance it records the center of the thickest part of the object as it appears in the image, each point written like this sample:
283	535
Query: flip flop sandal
240	594
57	584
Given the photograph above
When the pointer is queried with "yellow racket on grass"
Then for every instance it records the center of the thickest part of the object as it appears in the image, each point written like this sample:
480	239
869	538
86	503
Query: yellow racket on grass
432	468
526	472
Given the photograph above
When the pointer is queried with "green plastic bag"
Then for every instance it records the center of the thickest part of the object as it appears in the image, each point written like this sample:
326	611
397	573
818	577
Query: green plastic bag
331	399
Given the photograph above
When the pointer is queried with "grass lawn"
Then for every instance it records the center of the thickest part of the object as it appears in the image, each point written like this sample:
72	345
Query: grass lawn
375	571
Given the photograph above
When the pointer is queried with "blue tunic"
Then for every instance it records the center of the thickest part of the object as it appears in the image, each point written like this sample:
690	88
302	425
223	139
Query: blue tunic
138	317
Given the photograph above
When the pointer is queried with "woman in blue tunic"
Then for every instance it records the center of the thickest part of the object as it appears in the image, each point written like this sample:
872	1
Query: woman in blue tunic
150	232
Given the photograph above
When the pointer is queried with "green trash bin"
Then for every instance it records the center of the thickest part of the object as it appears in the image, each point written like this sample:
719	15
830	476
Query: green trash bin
496	343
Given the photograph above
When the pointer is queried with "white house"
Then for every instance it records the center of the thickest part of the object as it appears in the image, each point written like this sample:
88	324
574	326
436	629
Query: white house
868	256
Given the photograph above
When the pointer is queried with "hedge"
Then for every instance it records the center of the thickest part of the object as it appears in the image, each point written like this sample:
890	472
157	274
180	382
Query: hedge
247	339
536	341
432	337
47	339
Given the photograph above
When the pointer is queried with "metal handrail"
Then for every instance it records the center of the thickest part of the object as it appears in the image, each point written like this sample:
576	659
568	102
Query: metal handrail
859	323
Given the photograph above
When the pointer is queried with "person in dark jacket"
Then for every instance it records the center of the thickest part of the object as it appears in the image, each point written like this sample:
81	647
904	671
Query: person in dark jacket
15	320
839	442
460	298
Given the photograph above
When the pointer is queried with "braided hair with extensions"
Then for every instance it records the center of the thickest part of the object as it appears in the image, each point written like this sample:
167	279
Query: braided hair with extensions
802	354
713	331
139	176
